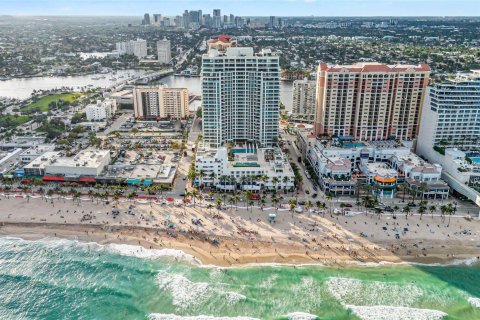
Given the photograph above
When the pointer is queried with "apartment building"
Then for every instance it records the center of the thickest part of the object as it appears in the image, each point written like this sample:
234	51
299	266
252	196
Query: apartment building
303	106
241	96
370	101
102	110
164	51
158	102
136	47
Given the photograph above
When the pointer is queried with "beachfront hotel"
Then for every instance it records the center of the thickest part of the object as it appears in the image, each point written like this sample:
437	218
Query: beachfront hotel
158	102
164	51
450	132
241	96
452	114
370	101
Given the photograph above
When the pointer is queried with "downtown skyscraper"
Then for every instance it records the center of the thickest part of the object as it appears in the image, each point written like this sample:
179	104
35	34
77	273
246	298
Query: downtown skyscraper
241	96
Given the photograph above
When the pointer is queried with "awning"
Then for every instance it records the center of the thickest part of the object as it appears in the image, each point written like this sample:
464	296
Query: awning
87	179
385	180
53	178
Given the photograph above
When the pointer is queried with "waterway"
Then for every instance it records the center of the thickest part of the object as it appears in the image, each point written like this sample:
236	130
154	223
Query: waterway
22	88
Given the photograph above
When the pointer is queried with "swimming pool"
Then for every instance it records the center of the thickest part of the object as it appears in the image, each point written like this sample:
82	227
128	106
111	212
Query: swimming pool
476	160
353	144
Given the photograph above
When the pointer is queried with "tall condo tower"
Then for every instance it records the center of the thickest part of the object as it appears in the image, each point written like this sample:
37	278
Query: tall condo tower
241	96
370	101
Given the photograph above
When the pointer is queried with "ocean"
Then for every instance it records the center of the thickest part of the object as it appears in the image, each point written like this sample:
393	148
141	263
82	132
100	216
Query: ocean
65	279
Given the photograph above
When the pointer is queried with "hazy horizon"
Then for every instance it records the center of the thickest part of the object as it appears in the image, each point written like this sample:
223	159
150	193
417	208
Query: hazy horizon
260	8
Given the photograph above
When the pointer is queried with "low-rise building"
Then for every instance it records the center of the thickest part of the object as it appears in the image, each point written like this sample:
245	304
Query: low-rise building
102	110
32	153
36	168
89	163
245	168
382	165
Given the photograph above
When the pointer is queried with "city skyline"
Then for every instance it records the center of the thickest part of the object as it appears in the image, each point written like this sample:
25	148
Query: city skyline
245	7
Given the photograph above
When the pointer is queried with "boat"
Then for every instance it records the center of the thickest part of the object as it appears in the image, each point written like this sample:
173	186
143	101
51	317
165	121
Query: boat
113	79
95	78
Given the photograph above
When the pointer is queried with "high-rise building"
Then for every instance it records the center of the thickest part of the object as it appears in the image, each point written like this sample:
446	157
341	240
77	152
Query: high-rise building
240	96
186	19
370	101
136	47
272	22
217	19
146	19
451	115
164	51
157	18
157	102
304	99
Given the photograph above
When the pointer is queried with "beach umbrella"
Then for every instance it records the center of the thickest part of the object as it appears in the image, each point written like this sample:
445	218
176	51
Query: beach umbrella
170	199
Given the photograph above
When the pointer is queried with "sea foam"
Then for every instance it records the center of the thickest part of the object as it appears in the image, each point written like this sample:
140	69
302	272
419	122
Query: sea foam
357	292
474	302
158	316
143	253
395	313
301	316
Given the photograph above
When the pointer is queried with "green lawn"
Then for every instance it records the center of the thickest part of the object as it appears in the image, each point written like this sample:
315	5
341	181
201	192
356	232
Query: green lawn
42	103
11	121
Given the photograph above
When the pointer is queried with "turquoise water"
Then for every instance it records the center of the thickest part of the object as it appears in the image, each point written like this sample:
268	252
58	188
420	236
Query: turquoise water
476	159
62	279
353	144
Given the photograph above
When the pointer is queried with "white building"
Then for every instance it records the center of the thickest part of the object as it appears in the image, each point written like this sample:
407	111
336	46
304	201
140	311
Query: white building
243	168
304	99
158	102
451	115
37	166
241	96
380	164
136	47
103	110
33	153
88	162
164	51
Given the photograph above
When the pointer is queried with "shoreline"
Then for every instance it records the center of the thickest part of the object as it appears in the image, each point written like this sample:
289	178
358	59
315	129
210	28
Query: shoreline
40	231
244	237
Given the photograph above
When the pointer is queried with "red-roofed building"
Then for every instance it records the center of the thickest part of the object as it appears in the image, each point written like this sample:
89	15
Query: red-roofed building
370	101
222	43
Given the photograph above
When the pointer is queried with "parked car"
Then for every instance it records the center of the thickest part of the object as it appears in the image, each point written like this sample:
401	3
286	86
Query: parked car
314	195
301	202
411	204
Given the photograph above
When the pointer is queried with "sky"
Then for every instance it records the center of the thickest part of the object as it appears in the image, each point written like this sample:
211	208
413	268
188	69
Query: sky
245	7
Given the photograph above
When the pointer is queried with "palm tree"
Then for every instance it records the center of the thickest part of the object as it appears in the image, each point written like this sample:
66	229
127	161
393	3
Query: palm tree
201	174
407	210
443	210
293	205
236	199
285	180
395	209
210	207
423	188
309	205
194	195
432	209
275	180
213	176
421	210
231	200
262	202
403	189
218	202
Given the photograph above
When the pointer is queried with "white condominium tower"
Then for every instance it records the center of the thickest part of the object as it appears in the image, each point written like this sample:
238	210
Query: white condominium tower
304	99
136	47
370	101
451	114
240	96
157	102
164	51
